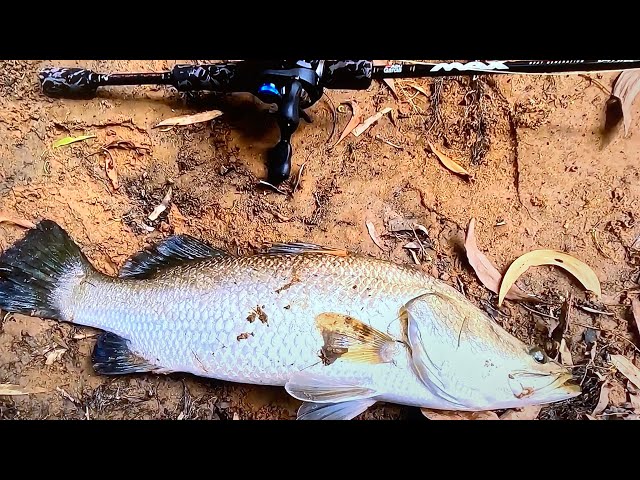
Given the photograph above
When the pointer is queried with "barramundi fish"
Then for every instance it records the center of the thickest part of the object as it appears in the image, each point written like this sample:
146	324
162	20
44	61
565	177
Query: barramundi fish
340	331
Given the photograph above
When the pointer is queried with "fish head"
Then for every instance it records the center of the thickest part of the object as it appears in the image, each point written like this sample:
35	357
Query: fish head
469	362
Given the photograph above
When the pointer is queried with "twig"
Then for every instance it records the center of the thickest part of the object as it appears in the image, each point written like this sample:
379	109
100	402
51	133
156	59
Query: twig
593	80
333	116
539	313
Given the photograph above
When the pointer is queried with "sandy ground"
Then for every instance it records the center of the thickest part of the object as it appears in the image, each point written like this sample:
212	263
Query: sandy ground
542	178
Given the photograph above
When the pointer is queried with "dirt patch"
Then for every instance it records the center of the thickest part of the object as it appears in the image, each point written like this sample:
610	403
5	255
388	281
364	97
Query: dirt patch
542	179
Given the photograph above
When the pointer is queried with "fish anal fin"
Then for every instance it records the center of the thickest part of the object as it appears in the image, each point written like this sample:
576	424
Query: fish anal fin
333	411
311	387
297	248
348	338
112	356
172	251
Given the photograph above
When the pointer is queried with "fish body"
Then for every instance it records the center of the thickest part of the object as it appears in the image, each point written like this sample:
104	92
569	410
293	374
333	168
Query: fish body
339	331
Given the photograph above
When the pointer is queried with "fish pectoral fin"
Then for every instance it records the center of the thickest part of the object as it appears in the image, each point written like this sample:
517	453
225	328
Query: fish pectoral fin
333	411
299	248
350	339
170	252
310	387
112	356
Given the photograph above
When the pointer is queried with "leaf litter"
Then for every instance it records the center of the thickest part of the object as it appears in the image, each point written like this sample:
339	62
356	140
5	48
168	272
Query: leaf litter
626	368
486	272
356	117
69	140
6	218
534	258
364	126
11	390
450	164
374	235
183	120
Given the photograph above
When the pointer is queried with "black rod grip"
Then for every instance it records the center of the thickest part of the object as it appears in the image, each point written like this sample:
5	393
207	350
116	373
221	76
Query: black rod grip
70	82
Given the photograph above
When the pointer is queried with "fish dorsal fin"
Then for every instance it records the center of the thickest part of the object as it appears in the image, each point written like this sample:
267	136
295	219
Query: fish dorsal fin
170	252
297	248
348	338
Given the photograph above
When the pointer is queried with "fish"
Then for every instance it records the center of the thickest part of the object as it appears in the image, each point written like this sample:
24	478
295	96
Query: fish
340	331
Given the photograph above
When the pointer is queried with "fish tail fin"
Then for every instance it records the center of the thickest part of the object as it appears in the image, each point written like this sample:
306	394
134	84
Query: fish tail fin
36	271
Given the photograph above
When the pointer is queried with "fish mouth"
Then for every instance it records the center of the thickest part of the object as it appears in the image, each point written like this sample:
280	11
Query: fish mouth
544	386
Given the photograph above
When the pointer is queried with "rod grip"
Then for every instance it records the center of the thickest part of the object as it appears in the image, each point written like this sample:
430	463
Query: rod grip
70	82
347	74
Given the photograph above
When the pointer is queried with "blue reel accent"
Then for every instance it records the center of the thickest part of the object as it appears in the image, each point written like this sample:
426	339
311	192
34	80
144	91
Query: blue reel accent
269	89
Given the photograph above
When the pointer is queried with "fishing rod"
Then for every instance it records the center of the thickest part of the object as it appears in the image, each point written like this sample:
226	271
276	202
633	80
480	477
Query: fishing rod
296	85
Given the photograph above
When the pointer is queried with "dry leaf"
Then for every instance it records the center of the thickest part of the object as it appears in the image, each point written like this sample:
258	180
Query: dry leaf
374	236
535	258
635	308
486	272
412	246
4	218
626	368
419	88
10	389
82	336
110	169
360	129
67	140
54	355
190	119
530	412
635	402
625	90
353	123
448	163
565	353
390	82
590	417
603	401
458	415
162	207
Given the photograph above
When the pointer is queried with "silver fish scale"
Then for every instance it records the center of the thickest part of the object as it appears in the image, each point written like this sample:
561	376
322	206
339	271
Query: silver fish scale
194	318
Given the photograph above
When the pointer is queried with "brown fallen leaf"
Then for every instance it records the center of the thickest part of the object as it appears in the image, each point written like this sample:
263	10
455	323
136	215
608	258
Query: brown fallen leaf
10	389
190	119
450	164
6	218
356	117
565	353
635	308
161	207
530	412
626	368
458	415
603	400
364	126
635	402
625	90
390	82
486	272
110	169
54	355
374	236
419	89
535	258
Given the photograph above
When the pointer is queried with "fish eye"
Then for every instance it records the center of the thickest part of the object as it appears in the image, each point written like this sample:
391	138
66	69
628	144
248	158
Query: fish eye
538	355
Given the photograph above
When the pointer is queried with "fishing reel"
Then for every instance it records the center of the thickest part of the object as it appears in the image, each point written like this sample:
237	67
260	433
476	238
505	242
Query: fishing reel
292	86
292	89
